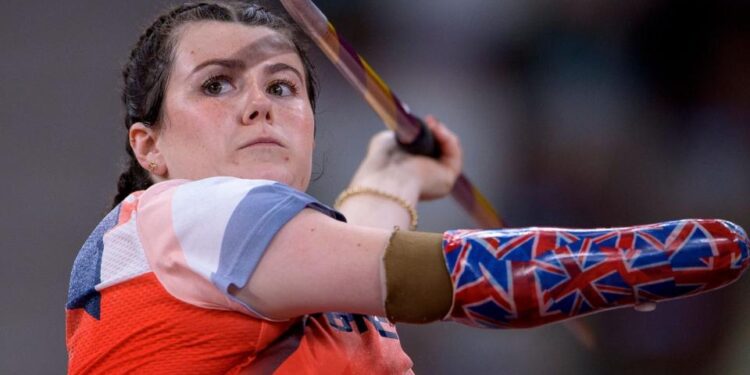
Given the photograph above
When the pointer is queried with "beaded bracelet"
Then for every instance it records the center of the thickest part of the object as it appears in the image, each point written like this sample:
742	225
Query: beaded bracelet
366	190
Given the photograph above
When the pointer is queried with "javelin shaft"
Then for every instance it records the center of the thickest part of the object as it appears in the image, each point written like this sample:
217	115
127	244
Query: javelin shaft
396	116
411	133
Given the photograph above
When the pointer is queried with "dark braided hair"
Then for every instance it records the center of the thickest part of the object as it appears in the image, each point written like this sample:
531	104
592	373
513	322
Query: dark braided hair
147	71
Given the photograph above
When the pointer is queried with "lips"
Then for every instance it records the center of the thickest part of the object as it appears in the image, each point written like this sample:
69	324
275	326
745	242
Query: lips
263	141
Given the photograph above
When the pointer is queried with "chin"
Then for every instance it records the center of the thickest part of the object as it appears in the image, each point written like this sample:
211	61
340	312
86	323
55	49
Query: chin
279	175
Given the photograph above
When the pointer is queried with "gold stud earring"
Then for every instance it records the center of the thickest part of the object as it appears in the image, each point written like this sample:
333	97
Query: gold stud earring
152	166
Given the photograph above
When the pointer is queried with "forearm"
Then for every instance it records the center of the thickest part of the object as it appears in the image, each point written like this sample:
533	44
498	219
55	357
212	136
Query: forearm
527	277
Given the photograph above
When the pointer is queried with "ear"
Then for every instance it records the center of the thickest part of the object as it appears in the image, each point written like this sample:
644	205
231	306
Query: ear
145	145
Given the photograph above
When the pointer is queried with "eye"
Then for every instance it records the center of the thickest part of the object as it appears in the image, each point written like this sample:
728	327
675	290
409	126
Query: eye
217	85
282	88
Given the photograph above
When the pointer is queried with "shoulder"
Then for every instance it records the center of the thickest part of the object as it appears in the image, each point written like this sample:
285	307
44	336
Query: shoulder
203	238
224	195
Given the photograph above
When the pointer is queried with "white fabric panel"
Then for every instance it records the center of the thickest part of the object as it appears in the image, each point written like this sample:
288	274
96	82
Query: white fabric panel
123	257
200	213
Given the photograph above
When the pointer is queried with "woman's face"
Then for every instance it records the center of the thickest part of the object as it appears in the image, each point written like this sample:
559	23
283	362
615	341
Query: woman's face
236	104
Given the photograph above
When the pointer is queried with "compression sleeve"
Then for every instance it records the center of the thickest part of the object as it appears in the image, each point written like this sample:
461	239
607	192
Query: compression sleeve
203	238
527	277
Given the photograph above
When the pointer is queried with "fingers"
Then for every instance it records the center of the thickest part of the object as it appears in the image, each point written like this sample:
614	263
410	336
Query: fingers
452	156
450	145
434	178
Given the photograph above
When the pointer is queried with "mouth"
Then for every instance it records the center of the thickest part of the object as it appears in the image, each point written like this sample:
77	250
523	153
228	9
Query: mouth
263	142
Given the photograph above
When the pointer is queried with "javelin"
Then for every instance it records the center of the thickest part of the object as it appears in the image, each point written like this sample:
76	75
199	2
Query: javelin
411	133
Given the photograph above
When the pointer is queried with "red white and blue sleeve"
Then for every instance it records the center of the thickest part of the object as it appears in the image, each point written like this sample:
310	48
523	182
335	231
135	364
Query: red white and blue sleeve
204	238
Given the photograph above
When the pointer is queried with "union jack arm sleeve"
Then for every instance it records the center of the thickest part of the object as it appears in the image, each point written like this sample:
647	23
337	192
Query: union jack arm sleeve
519	278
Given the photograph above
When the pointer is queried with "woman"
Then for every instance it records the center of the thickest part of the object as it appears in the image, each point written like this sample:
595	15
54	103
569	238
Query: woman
213	259
225	90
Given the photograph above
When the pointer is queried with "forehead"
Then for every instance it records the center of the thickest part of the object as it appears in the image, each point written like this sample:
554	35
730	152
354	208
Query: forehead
200	41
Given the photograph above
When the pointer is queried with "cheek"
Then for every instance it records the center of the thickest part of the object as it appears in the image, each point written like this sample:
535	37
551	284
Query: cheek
301	122
201	116
307	129
197	121
181	148
187	139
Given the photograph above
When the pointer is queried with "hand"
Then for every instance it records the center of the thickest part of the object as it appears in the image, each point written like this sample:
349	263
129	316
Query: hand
413	177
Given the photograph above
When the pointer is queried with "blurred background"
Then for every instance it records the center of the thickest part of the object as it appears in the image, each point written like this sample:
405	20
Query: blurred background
577	113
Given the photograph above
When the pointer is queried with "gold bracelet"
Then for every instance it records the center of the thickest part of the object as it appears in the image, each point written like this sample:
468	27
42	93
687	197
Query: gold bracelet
366	190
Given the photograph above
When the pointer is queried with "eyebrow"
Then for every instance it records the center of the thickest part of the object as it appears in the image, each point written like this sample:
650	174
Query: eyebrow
227	63
279	67
254	53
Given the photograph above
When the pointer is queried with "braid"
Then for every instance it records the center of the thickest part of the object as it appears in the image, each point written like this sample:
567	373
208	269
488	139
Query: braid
146	73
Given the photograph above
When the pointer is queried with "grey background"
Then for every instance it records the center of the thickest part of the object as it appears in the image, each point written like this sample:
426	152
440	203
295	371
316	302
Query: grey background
571	112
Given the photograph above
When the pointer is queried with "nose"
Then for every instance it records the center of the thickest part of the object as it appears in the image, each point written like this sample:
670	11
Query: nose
258	108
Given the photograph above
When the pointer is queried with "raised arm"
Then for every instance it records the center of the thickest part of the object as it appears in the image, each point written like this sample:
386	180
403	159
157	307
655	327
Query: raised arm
513	278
